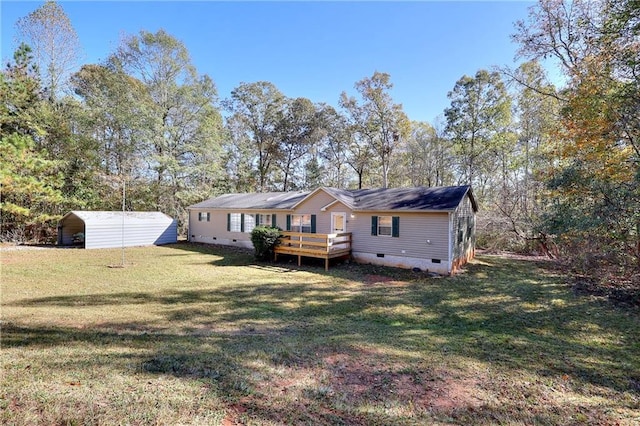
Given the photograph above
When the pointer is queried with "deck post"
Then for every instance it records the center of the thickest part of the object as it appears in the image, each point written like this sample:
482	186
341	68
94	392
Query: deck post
326	264
299	260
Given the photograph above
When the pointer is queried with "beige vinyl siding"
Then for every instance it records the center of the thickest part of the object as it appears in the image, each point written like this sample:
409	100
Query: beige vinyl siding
415	230
216	229
314	205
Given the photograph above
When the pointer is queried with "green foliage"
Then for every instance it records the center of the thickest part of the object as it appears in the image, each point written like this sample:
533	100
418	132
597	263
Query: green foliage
30	190
264	239
257	110
21	97
593	199
478	123
378	125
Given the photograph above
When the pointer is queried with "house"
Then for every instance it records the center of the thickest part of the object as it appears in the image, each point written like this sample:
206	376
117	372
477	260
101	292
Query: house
110	229
428	228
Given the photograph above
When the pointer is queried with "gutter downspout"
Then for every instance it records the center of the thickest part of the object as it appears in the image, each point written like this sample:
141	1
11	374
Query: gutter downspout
188	225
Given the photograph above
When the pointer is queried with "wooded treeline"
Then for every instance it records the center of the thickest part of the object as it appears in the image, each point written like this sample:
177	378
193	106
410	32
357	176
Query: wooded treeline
555	169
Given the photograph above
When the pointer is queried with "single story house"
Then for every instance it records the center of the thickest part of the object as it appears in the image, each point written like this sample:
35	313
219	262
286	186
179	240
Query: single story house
111	229
428	228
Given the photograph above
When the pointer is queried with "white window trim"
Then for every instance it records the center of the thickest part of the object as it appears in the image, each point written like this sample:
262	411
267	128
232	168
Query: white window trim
264	216
390	226
302	224
235	219
249	223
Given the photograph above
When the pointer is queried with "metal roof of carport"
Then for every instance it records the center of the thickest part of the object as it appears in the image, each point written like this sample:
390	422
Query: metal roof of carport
115	217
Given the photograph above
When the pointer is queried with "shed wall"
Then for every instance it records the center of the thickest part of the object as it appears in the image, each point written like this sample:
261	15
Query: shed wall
135	234
109	234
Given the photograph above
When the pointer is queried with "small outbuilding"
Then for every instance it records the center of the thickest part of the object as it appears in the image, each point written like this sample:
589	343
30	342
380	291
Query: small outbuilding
103	229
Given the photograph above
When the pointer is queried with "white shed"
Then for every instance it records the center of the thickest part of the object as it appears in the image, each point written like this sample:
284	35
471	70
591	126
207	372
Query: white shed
107	229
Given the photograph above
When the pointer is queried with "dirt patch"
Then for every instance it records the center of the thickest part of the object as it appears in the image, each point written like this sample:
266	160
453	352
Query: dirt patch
13	247
373	279
380	380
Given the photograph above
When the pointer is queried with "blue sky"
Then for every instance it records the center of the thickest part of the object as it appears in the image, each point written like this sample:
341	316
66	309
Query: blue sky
310	49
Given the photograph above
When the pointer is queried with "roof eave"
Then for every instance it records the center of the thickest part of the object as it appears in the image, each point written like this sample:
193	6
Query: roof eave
403	210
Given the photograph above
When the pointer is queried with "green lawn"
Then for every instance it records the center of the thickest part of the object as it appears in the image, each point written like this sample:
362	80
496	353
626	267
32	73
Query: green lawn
188	334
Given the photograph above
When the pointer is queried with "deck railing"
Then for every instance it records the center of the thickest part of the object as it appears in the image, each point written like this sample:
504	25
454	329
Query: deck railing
323	246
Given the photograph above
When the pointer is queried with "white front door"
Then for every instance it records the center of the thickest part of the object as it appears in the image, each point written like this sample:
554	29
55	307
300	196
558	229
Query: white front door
338	223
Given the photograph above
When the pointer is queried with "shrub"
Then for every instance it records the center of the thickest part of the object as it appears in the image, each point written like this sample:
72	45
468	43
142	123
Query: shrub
264	239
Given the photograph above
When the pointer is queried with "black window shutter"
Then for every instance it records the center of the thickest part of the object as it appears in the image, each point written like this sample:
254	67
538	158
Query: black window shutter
228	222
374	225
257	220
313	223
208	216
273	221
395	226
288	222
241	222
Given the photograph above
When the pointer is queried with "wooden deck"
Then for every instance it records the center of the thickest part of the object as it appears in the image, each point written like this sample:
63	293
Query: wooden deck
322	246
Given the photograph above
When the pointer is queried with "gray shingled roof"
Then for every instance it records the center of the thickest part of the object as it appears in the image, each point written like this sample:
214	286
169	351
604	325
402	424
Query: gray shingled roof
383	199
257	201
419	198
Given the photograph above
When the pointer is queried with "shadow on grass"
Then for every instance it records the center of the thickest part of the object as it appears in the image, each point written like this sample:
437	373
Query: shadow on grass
322	352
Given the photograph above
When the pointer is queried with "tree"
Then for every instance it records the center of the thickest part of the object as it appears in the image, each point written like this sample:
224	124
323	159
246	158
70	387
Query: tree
477	120
31	183
297	131
378	121
257	110
595	200
55	43
334	146
538	111
183	125
21	96
114	123
427	157
238	158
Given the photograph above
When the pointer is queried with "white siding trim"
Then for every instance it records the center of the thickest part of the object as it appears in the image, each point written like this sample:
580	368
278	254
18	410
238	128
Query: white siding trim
324	209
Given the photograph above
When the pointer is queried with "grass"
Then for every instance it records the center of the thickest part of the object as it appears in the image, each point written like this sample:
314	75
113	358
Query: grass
190	334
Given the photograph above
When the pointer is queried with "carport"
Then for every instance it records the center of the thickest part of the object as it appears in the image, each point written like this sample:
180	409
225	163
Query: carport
111	229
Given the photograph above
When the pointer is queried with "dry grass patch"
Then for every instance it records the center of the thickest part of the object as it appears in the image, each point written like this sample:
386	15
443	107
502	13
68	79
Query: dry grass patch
190	334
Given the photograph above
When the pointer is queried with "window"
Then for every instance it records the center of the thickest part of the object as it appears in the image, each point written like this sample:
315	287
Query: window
301	222
204	216
384	225
234	222
249	222
265	220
